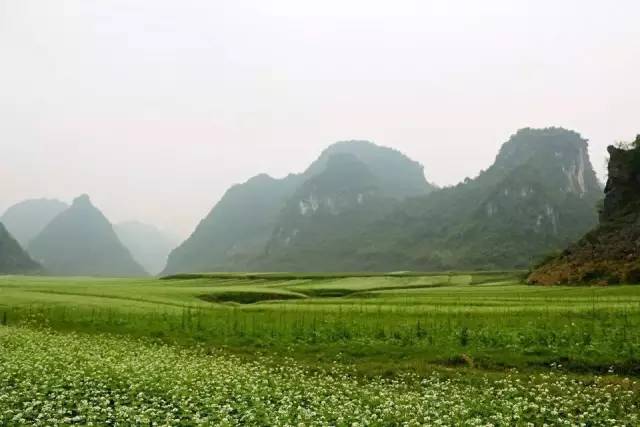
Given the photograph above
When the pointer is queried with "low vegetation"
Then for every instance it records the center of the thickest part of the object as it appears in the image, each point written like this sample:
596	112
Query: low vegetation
54	379
387	324
276	349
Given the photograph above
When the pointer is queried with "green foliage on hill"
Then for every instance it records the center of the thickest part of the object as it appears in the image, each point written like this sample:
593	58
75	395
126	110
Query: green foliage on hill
13	259
361	207
325	216
540	194
239	229
81	241
398	176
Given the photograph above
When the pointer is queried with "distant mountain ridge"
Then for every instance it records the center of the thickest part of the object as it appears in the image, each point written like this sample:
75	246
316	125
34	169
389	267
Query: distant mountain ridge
539	195
362	207
25	220
398	176
148	245
236	229
236	233
81	241
13	259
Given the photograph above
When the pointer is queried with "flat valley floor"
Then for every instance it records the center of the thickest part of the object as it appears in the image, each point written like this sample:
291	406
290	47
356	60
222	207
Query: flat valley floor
312	349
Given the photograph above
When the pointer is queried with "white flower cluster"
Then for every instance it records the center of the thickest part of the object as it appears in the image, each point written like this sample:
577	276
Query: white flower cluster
49	378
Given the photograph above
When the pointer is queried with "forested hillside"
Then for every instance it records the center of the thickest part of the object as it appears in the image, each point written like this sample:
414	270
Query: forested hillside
361	207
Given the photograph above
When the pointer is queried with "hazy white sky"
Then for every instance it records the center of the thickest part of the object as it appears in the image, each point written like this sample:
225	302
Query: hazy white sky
156	107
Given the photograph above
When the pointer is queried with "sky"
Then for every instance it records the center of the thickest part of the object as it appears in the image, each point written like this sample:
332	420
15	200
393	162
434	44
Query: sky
154	108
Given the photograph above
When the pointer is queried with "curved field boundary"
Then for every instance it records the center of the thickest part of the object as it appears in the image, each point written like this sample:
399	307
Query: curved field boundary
336	275
249	297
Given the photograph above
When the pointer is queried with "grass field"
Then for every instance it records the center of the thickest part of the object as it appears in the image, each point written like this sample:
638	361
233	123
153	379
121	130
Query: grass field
406	342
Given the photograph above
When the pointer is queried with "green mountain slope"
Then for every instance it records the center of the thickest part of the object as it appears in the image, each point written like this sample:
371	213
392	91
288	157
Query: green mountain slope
368	208
13	259
398	176
320	222
540	194
237	228
236	233
81	241
25	220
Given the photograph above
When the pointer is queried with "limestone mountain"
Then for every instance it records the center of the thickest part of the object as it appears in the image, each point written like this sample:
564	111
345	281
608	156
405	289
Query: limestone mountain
81	241
611	252
148	245
327	212
398	176
236	233
25	220
237	228
361	207
539	195
13	259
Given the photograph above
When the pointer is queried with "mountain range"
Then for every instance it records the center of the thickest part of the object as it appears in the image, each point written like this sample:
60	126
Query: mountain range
540	194
363	207
238	230
25	220
358	207
81	241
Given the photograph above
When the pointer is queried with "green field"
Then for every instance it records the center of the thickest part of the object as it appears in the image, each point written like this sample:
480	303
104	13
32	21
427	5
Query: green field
423	346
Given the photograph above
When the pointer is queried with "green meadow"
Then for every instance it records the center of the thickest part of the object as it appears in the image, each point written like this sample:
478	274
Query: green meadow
337	350
384	324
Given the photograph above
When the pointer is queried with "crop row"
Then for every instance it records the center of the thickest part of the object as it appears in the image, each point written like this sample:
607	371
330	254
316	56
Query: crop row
588	341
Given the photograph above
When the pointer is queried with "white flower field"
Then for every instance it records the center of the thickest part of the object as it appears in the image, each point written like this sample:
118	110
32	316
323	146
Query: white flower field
49	378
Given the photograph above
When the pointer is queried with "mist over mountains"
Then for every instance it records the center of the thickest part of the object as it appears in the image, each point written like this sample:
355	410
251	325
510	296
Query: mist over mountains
86	239
362	207
28	218
357	207
81	241
239	228
540	193
148	245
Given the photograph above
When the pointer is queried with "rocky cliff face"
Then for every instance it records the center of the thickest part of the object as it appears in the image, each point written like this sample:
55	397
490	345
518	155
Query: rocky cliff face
622	192
539	195
324	219
362	207
611	252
